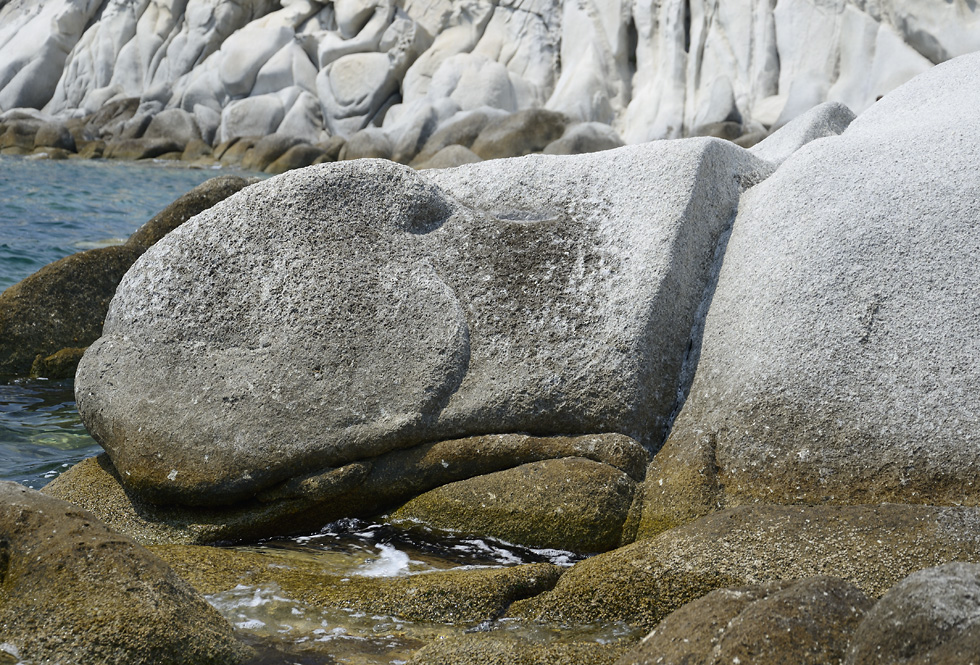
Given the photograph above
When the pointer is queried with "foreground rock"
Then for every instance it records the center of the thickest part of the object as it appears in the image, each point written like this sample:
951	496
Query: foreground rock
871	547
360	489
63	305
494	297
838	362
808	622
73	591
932	616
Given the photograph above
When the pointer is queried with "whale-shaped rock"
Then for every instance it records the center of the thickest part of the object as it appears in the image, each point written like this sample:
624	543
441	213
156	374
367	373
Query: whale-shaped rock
346	310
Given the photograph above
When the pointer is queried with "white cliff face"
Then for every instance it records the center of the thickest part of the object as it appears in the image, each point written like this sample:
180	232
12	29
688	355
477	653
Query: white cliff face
649	68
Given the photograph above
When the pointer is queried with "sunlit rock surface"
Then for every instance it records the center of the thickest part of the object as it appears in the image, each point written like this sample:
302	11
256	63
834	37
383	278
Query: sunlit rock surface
344	311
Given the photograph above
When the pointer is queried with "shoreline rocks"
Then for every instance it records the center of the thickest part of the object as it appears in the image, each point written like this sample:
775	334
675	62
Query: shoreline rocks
72	590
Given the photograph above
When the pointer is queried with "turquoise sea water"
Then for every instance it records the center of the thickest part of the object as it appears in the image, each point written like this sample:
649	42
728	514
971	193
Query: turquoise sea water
49	210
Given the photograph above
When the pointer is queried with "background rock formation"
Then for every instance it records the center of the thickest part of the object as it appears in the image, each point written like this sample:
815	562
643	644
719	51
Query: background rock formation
307	68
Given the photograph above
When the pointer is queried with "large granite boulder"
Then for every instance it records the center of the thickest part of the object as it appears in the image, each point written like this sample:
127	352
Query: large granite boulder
839	353
72	591
63	305
548	294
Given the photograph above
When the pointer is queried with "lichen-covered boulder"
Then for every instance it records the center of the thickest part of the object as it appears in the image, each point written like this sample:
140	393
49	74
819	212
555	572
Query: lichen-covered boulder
63	305
339	312
72	591
839	354
809	622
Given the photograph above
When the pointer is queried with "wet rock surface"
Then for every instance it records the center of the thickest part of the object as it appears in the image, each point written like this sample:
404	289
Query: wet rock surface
870	547
73	591
361	489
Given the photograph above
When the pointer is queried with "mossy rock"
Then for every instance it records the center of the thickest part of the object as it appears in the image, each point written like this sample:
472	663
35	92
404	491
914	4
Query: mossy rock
72	591
459	596
569	504
361	489
871	547
502	649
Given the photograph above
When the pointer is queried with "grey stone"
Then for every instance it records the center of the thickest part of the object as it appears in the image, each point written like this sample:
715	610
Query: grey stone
296	157
871	547
839	354
449	157
175	124
462	129
584	137
520	133
137	148
73	591
491	297
932	616
827	119
368	143
809	622
267	150
54	135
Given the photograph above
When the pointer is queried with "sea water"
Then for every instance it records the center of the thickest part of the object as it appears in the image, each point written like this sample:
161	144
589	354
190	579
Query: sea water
48	210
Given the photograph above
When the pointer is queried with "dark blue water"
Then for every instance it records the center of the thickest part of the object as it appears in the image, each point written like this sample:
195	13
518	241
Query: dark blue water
49	210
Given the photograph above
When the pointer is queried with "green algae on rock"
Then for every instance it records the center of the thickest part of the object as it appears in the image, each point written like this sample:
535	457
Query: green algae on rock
569	504
501	649
355	490
73	591
809	622
642	583
459	596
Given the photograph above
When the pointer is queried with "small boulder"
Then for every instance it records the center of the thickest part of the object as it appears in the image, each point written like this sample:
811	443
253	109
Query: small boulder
267	150
369	143
499	648
932	616
54	135
18	136
462	129
585	137
296	157
138	148
568	504
809	622
175	124
449	157
519	134
73	591
827	119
